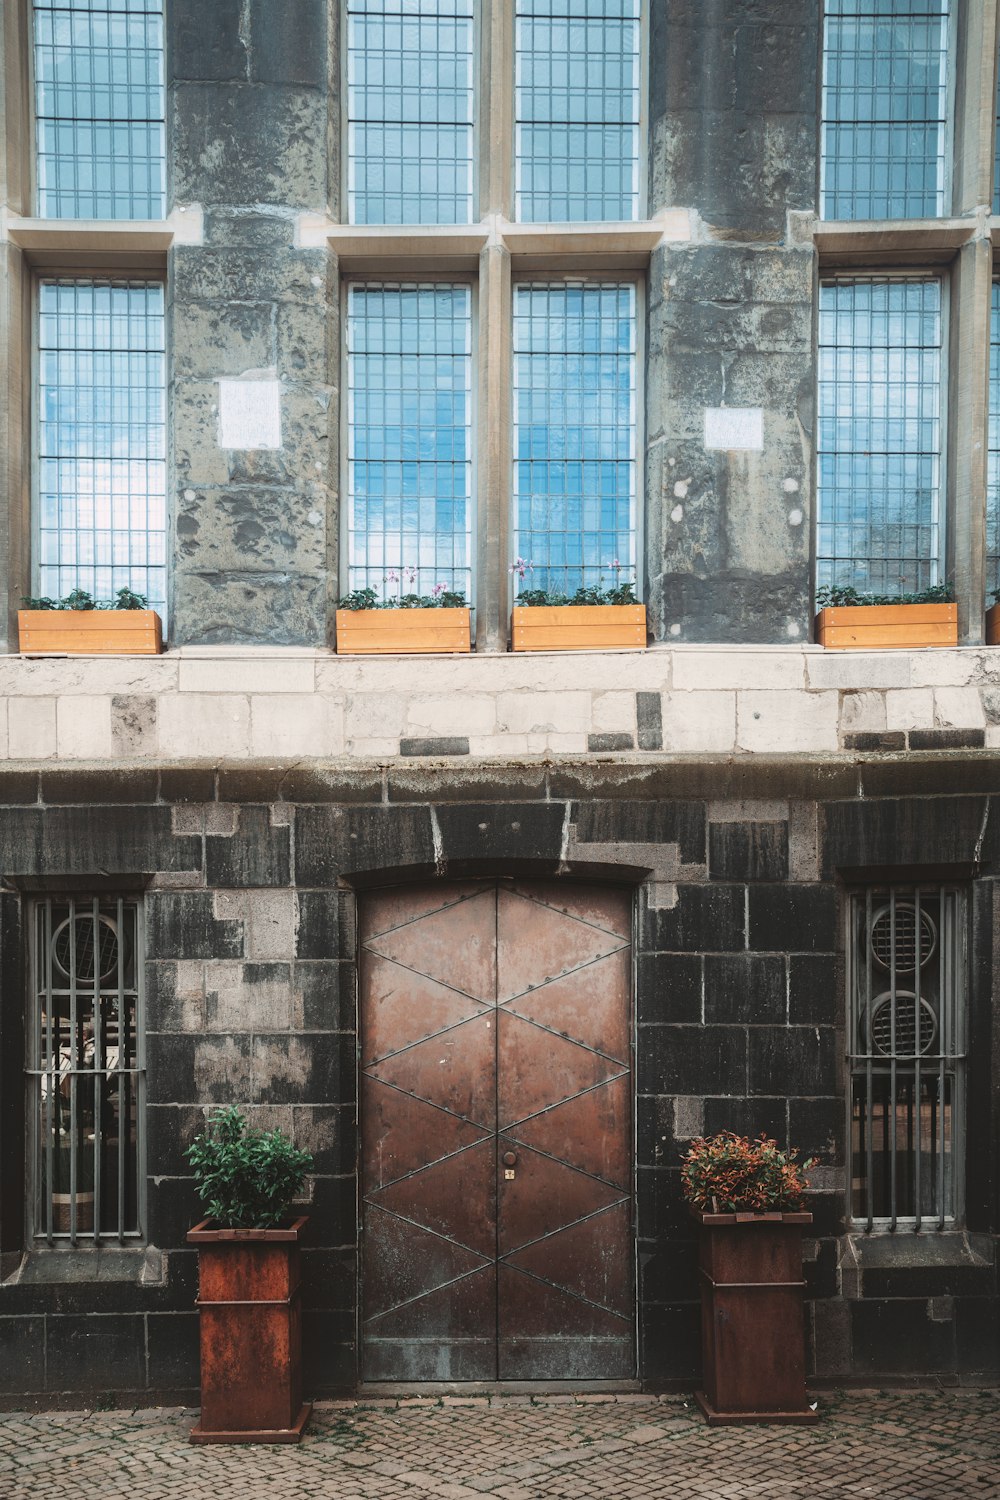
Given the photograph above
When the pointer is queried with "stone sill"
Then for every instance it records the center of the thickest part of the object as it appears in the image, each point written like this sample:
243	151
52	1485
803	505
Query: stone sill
138	243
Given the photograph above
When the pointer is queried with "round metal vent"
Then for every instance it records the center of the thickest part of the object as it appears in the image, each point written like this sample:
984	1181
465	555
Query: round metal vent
906	937
906	1025
73	943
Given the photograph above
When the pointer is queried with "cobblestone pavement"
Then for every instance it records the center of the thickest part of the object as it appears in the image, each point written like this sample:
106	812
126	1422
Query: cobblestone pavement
910	1446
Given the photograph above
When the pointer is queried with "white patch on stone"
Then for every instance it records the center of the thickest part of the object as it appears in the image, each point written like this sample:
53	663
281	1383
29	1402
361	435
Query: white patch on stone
681	488
734	427
189	494
316	281
795	518
314	518
790	486
677	514
249	414
793	628
675	630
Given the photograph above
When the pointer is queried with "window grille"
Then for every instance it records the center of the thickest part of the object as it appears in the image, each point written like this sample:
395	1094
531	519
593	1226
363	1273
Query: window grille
575	434
885	98
577	77
85	1074
993	449
410	111
906	1054
101	485
409	440
99	109
879	445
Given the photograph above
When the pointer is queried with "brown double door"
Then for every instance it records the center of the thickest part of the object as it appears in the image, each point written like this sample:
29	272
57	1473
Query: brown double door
496	1133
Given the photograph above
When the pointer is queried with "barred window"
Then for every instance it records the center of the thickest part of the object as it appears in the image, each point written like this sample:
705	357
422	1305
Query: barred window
906	1054
100	512
885	98
880	433
85	1073
410	111
409	441
577	70
575	434
99	109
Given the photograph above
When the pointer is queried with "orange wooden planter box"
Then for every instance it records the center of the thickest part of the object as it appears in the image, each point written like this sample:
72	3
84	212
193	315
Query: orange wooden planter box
250	1321
579	627
89	632
403	632
876	627
993	625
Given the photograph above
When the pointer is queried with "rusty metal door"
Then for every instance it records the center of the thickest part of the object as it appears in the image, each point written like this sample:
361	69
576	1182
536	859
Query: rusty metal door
496	1133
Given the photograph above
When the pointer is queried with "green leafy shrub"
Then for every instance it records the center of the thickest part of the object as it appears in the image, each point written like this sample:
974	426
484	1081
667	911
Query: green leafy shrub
245	1178
439	598
729	1173
621	593
835	595
80	599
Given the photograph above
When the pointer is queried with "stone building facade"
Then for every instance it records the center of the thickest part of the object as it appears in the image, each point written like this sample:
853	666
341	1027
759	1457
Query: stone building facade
248	789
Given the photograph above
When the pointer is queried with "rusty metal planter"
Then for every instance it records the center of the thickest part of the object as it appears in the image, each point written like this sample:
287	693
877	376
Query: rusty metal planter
752	1335
251	1335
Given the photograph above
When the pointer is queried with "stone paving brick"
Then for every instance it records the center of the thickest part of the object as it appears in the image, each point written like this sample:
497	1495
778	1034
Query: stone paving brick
942	1445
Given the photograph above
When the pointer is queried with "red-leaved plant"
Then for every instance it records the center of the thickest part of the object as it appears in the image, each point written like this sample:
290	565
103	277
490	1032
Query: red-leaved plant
729	1173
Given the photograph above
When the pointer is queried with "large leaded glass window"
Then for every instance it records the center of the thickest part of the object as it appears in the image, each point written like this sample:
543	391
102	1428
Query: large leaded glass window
577	75
885	99
410	111
993	452
409	441
575	434
85	1069
906	1054
99	109
879	486
100	521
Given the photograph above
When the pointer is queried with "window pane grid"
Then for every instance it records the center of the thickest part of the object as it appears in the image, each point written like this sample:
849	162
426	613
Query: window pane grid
906	1054
410	107
85	1072
409	445
101	502
575	413
885	95
879	441
99	109
577	110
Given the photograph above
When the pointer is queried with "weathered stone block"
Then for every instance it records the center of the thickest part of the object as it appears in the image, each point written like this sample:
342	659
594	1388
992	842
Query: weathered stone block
793	918
668	987
745	987
237	143
748	851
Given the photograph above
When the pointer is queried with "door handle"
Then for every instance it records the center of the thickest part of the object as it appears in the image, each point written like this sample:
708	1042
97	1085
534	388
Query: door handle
510	1158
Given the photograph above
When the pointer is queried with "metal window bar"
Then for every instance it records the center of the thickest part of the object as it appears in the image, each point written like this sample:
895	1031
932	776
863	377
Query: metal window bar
86	1078
880	433
100	513
906	1055
577	110
575	434
410	102
409	437
884	110
99	109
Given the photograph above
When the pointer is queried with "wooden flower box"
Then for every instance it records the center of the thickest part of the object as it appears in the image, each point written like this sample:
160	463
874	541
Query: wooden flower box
403	632
250	1320
880	627
89	632
579	627
993	625
752	1328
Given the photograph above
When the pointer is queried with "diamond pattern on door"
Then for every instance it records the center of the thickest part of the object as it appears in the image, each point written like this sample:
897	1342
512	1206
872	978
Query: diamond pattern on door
496	1127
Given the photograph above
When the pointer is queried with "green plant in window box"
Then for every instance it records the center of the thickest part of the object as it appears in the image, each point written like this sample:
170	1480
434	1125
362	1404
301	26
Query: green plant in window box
80	625
993	619
592	618
403	624
853	619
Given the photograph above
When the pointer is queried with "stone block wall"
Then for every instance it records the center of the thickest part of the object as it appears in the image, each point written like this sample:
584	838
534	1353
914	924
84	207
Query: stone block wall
251	878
